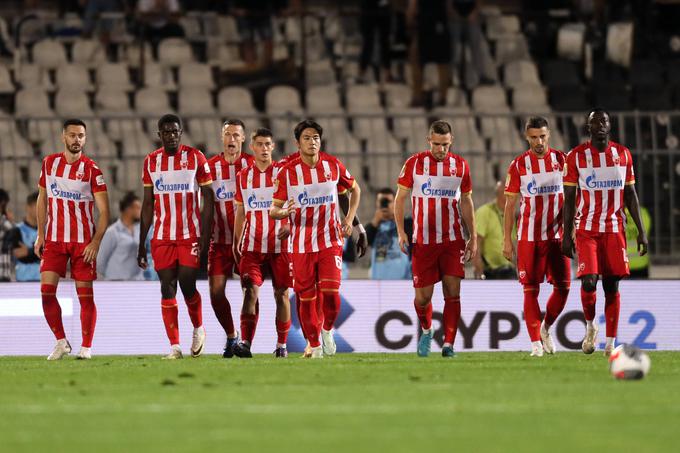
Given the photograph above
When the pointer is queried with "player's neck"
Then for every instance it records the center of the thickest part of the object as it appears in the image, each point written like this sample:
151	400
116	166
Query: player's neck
263	165
231	158
599	145
309	159
71	157
540	155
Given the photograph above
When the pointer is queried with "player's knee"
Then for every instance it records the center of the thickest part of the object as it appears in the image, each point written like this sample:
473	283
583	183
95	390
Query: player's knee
610	285
589	283
281	295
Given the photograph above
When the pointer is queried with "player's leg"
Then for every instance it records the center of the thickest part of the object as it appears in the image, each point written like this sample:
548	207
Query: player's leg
84	274
425	266
559	275
612	306
52	267
531	266
186	275
250	269
330	275
220	268
587	250
282	279
305	267
451	289
615	267
169	311
423	305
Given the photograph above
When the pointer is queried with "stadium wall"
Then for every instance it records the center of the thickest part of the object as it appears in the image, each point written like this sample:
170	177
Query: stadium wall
376	316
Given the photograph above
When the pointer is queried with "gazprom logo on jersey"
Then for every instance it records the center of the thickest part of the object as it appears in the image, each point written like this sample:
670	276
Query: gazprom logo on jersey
306	200
175	187
254	204
223	194
64	193
593	183
434	192
534	189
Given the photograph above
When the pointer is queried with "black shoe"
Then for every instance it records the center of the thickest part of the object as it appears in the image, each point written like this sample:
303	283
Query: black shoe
242	350
229	348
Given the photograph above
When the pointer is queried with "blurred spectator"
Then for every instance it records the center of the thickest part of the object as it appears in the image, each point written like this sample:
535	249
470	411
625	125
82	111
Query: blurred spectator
254	21
150	273
489	263
375	18
20	242
349	255
467	32
93	11
387	260
5	40
6	226
160	19
117	258
638	265
428	21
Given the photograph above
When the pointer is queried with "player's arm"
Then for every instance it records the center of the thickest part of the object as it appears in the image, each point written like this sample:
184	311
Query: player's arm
508	224
206	215
467	210
145	224
354	194
631	201
41	215
101	200
280	210
239	220
362	241
568	213
399	202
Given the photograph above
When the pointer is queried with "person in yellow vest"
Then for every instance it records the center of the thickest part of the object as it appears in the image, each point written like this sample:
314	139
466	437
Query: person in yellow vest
639	265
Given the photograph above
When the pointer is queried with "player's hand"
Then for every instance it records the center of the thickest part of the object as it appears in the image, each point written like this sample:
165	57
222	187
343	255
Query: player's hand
141	257
642	244
568	246
470	249
284	232
236	250
38	246
346	228
362	244
508	250
403	242
90	252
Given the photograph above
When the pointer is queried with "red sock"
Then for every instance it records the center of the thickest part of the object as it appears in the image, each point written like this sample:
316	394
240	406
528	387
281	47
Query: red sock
222	310
282	328
248	326
532	312
451	317
320	315
195	309
52	310
588	303
308	317
299	316
169	311
424	314
556	303
331	309
88	315
612	304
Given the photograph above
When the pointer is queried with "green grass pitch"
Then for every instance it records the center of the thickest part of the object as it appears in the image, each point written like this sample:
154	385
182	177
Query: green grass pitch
357	402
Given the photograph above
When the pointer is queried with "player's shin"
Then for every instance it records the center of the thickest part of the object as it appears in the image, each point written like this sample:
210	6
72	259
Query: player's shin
451	318
88	315
556	303
222	310
532	312
170	315
588	302
308	317
194	307
52	310
331	307
424	313
612	305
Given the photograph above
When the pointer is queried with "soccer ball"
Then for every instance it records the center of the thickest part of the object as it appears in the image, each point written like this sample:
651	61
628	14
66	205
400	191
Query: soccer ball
628	362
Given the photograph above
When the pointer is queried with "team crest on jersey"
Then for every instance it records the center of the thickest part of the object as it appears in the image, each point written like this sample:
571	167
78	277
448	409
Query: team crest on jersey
522	274
589	160
556	166
616	160
327	175
80	175
581	267
184	164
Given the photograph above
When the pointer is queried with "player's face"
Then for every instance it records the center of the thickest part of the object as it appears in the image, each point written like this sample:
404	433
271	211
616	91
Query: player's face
74	138
599	126
233	137
262	148
135	210
538	139
170	134
310	142
440	144
385	201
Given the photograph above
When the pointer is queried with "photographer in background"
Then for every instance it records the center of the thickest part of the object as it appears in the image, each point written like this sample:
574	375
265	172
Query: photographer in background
387	261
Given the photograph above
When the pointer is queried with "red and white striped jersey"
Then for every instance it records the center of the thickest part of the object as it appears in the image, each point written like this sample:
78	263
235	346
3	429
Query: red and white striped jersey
175	180
600	177
539	181
436	187
224	186
315	223
255	191
70	190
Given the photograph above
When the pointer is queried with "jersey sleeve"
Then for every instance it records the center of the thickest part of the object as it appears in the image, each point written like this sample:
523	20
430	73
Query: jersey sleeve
512	181
630	173
203	174
41	181
281	186
97	182
466	182
570	171
238	196
146	176
405	180
345	179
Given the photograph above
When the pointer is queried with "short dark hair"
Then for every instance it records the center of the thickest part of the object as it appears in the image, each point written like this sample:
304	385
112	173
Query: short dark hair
261	132
4	196
386	191
127	201
32	198
536	122
307	124
169	118
234	122
74	122
440	127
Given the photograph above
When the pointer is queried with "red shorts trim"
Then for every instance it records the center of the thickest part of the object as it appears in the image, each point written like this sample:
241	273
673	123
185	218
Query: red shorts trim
255	266
430	262
313	267
168	255
537	260
601	253
221	260
56	256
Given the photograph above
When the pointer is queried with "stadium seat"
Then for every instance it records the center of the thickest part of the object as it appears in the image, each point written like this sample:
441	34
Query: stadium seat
530	98
235	99
319	72
488	98
114	76
363	105
283	104
510	48
229	29
206	133
195	101
498	27
73	76
158	77
132	54
520	72
174	52
6	85
49	54
570	41
196	75
620	43
152	102
33	76
228	57
32	102
88	52
72	102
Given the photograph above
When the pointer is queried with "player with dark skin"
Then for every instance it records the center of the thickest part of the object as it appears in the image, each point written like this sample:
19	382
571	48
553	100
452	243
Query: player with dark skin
598	128
170	135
